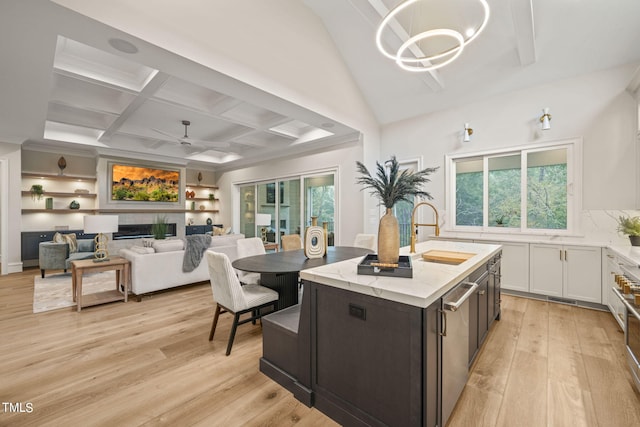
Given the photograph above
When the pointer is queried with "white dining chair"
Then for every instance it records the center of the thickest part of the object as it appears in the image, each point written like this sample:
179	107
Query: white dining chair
367	241
246	248
230	296
291	242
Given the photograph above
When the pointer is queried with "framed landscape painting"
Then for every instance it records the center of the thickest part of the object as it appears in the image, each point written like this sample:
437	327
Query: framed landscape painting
144	184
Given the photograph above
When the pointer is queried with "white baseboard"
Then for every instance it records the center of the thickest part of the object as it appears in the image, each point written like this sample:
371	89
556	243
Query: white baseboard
14	267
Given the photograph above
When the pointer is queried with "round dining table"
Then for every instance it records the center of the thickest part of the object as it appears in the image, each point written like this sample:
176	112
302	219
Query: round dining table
279	270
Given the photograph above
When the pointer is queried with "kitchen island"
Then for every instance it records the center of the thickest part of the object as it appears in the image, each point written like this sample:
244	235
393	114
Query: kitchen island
365	349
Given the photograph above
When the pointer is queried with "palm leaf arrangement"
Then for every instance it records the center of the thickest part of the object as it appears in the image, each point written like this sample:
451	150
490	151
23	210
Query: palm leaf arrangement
396	185
392	186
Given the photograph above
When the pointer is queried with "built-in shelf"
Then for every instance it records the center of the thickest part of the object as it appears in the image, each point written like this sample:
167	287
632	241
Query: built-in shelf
58	177
212	187
58	194
201	199
67	211
58	211
153	211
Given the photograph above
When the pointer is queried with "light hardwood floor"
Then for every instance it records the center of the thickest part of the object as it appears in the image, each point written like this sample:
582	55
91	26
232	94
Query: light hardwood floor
150	363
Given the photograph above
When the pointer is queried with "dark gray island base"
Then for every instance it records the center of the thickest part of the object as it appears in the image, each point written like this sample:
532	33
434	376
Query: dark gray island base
364	360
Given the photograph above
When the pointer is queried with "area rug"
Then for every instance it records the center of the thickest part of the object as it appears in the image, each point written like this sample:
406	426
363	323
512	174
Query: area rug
54	291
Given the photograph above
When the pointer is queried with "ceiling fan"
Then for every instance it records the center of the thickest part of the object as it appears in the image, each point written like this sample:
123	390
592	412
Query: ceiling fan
187	141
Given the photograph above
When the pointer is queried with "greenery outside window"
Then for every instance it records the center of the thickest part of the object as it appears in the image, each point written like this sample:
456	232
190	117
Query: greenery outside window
532	189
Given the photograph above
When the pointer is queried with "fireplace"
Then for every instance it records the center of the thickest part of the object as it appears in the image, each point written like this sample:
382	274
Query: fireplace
136	231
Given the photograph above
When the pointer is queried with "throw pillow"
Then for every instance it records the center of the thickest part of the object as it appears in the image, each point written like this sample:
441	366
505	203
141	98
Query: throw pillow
141	250
169	245
217	231
147	243
70	239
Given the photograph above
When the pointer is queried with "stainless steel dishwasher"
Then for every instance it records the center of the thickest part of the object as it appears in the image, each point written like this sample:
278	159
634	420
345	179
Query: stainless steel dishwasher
455	343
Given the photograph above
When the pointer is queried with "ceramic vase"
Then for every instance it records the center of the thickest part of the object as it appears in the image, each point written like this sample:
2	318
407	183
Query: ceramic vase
388	239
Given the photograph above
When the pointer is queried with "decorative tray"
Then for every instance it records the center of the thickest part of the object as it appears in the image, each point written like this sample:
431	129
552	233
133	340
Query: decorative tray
370	266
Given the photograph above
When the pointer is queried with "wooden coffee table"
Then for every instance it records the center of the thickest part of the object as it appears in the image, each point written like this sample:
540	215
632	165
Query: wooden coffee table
122	267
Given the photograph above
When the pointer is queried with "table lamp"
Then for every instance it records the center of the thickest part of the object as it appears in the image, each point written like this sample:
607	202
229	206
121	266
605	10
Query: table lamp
263	220
101	224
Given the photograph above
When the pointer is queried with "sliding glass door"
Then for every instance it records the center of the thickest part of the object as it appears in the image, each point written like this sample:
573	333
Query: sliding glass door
320	202
270	209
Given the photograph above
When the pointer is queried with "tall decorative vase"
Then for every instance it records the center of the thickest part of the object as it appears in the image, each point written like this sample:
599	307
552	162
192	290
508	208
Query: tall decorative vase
388	239
325	227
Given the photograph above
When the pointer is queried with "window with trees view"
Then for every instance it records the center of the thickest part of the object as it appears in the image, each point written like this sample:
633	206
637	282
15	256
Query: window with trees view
526	189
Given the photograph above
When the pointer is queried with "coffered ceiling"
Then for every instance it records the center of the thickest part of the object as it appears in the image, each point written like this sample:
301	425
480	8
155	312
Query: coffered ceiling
106	101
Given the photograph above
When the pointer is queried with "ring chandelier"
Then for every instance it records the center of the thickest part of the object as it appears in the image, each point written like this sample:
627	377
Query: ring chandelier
417	64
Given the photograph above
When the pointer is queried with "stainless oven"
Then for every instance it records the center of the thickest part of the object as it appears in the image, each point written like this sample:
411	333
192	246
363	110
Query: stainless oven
631	333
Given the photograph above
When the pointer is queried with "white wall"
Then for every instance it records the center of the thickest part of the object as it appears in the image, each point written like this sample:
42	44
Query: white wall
11	257
349	199
595	107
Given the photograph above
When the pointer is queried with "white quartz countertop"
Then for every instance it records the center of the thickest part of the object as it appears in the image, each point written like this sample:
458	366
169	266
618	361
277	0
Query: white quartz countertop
430	280
630	254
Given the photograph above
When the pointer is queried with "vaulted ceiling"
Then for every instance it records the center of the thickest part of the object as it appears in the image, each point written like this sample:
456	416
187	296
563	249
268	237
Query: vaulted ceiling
59	92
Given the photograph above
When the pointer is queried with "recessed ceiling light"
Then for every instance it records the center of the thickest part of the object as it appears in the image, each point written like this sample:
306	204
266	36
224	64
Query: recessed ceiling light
123	46
469	32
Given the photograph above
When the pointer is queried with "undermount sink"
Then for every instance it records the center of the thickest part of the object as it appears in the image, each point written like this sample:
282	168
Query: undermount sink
447	257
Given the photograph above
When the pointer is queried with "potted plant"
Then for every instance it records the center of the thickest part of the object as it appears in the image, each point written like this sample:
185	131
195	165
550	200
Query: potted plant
159	228
391	187
631	227
500	220
36	191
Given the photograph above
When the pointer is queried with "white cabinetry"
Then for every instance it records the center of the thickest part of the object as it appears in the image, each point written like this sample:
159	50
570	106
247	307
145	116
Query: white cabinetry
514	266
566	271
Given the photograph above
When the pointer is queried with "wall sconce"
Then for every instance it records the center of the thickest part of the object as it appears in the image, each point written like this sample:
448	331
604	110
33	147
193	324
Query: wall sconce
467	133
545	119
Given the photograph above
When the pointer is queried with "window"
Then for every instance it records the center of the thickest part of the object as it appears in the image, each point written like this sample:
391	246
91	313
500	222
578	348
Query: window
528	189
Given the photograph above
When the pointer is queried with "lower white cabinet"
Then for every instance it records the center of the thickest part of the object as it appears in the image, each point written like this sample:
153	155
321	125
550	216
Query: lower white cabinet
515	265
566	271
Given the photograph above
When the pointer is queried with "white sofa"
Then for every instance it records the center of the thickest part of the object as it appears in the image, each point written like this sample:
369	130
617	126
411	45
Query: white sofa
160	267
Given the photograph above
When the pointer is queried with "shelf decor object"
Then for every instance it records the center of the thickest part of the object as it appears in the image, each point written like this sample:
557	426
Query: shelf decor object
101	224
36	191
48	203
199	177
390	185
74	205
62	163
